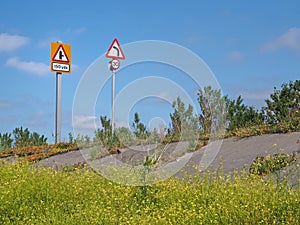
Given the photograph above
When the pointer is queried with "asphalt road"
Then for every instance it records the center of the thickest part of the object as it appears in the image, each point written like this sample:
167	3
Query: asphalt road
239	153
232	153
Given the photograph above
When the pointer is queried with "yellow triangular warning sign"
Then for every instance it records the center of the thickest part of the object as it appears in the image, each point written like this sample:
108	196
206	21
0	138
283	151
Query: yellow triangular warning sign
60	55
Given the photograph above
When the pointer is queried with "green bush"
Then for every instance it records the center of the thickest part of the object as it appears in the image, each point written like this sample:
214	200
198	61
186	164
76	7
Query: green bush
21	138
213	110
140	130
240	115
5	141
269	164
284	104
104	136
184	124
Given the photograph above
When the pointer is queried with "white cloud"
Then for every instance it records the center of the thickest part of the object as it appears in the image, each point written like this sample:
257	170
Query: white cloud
290	40
82	122
36	68
11	42
235	56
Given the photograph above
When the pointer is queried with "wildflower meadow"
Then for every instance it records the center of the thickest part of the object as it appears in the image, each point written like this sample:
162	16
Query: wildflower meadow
31	195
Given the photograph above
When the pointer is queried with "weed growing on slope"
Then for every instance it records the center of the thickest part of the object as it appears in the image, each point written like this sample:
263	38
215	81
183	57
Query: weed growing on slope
269	164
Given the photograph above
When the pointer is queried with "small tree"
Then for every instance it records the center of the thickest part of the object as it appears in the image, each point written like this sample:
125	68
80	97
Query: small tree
5	141
140	130
213	109
183	123
23	138
284	104
37	140
104	135
240	115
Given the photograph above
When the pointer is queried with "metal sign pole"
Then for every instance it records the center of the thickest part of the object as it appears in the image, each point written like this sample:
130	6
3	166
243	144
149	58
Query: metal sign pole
58	108
60	62
113	102
114	52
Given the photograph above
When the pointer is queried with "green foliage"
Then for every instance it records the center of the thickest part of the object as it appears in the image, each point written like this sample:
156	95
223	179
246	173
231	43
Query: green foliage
84	197
240	115
74	167
124	136
37	140
140	130
255	130
5	141
281	115
21	138
79	140
213	110
149	163
218	112
71	138
106	130
183	122
104	135
284	104
269	164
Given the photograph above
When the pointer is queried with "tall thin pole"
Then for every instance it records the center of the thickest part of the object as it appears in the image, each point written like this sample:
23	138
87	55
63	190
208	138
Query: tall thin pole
113	102
58	108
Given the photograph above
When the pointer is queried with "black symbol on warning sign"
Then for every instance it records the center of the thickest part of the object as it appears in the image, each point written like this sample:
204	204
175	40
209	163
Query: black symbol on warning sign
118	51
60	55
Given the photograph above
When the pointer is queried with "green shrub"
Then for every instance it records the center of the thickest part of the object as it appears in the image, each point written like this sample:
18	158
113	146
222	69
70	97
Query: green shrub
269	164
284	104
240	115
23	138
5	141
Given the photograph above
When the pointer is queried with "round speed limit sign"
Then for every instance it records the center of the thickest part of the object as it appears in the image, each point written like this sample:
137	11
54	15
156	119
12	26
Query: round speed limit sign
115	64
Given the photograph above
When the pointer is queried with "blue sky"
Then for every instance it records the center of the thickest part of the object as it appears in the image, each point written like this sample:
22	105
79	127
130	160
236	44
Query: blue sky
251	46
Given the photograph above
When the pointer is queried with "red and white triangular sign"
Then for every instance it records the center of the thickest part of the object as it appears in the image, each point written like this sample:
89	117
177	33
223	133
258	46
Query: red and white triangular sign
115	51
60	55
